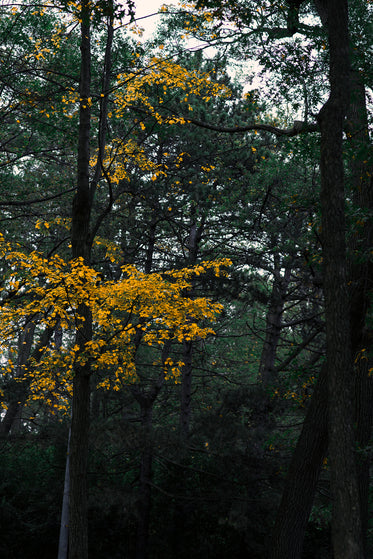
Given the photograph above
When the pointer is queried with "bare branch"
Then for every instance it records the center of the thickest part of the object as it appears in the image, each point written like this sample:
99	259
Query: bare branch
299	127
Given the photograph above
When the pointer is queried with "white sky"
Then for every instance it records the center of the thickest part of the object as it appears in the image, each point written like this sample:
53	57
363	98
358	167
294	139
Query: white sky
148	18
147	11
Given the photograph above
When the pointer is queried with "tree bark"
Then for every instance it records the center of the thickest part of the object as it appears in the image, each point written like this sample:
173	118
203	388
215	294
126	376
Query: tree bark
267	369
316	426
146	399
346	514
194	239
15	406
13	412
364	419
81	247
63	543
78	511
302	477
186	391
142	536
361	271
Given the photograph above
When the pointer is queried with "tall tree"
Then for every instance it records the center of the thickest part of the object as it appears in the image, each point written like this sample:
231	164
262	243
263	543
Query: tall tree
331	121
81	241
346	515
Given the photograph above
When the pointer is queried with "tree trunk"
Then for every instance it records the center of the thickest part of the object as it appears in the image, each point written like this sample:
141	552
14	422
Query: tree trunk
283	536
11	418
146	399
364	418
186	390
302	477
16	405
63	544
142	536
346	520
267	369
78	463
360	282
81	247
195	236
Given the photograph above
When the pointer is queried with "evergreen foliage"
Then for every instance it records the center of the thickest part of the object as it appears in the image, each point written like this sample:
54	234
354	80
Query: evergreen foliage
167	280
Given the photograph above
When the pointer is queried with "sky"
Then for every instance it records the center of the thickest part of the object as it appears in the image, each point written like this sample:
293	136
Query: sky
148	18
146	14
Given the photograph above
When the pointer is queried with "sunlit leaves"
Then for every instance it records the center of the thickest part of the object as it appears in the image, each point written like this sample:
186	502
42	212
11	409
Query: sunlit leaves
150	307
133	88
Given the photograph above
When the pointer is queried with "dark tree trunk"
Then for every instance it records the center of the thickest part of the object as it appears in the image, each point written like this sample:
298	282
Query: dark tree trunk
267	368
143	524
150	249
195	236
11	419
346	519
360	281
15	406
316	426
78	511
81	247
186	391
364	418
303	474
63	543
146	399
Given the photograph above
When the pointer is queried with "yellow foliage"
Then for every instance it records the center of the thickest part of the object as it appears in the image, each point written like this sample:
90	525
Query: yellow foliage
53	291
133	87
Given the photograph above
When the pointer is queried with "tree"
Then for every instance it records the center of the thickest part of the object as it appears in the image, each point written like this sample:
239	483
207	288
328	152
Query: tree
268	23
346	534
86	215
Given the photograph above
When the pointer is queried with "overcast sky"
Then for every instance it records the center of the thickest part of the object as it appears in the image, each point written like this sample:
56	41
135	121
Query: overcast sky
146	14
147	18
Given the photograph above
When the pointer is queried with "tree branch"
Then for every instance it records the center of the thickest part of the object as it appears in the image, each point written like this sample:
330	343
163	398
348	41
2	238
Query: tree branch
36	200
299	127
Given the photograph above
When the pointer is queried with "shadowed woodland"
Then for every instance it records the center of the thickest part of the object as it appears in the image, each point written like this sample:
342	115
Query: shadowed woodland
186	272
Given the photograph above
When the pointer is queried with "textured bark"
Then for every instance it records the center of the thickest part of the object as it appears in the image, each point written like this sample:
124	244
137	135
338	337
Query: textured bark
303	474
15	406
186	391
12	415
63	543
81	247
364	419
359	273
346	514
81	240
360	281
195	236
146	399
144	496
267	369
78	461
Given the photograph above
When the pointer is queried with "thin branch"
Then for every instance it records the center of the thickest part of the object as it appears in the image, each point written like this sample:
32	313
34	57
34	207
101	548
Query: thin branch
36	200
299	127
